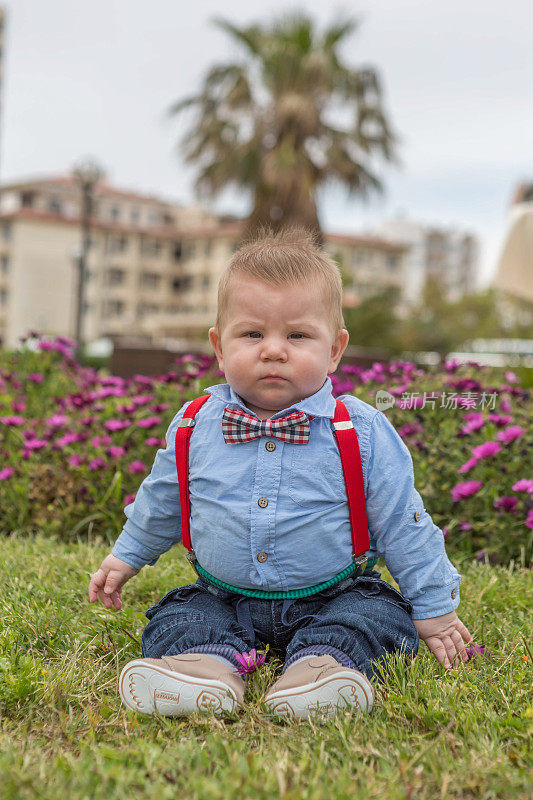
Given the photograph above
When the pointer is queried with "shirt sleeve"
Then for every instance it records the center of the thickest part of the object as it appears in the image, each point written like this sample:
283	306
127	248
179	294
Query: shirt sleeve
153	522
410	543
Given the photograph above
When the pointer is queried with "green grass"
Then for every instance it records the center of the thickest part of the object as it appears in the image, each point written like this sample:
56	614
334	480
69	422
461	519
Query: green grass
64	733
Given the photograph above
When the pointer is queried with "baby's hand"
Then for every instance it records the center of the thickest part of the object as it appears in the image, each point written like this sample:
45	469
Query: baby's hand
107	582
446	637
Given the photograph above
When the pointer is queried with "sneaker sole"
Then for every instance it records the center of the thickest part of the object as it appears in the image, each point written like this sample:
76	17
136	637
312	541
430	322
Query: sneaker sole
323	697
149	689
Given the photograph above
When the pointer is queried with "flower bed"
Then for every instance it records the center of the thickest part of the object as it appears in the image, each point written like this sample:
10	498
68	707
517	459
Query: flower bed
76	443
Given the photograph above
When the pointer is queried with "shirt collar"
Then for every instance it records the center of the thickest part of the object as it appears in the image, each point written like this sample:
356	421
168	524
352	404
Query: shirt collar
319	404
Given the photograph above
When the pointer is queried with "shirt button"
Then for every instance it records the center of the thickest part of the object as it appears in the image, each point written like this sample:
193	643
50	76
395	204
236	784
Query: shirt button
417	516
270	446
262	556
454	594
263	502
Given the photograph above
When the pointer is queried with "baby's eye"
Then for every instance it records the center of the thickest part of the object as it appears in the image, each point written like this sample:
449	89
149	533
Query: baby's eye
300	335
253	334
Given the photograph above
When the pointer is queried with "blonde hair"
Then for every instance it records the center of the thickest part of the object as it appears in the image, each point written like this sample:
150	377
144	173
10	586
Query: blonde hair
288	256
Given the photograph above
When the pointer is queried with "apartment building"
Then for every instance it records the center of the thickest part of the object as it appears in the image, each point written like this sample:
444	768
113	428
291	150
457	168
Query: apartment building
447	254
152	268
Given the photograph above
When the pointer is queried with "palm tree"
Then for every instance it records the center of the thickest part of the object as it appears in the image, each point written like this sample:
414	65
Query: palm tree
261	124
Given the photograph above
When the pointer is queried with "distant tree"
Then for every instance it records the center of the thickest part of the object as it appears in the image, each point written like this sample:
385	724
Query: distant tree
271	124
373	323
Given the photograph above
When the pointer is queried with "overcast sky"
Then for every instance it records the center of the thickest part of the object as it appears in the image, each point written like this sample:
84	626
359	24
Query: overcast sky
96	78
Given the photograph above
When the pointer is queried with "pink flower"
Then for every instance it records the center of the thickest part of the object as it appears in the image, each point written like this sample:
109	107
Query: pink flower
75	460
486	450
523	485
36	377
465	526
462	490
116	452
473	425
468	466
96	463
158	407
136	466
510	434
153	441
34	444
529	520
149	422
505	405
129	408
68	438
510	377
57	420
12	422
6	473
129	499
20	406
116	424
500	420
249	661
507	504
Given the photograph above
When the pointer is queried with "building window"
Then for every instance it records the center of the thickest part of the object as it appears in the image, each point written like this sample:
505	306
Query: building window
4	264
117	244
189	249
135	215
154	218
54	206
6	231
114	213
114	276
113	308
392	262
147	308
150	280
359	258
207	249
151	247
177	251
26	199
205	281
181	284
3	298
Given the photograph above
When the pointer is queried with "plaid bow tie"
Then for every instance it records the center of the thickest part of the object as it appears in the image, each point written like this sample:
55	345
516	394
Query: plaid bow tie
237	426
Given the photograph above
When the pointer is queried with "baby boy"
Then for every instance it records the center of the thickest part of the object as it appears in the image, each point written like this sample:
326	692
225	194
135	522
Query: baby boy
269	516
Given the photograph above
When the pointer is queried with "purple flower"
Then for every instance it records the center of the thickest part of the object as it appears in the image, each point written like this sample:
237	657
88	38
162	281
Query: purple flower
481	555
149	422
463	490
529	520
56	421
36	377
507	504
6	473
510	434
20	406
34	444
445	532
129	499
465	526
96	463
486	450
115	451
523	485
12	422
153	441
473	425
116	424
68	438
136	466
505	405
474	650
249	661
75	460
510	377
468	465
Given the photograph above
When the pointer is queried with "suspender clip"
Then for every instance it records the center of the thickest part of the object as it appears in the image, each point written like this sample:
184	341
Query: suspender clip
361	562
191	556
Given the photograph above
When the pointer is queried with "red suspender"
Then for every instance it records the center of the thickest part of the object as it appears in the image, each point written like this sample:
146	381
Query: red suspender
183	437
352	469
348	445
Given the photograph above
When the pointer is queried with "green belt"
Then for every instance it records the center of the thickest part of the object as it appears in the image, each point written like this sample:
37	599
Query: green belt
358	566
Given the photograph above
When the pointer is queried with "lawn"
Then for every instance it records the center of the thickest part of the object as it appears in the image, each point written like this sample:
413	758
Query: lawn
64	733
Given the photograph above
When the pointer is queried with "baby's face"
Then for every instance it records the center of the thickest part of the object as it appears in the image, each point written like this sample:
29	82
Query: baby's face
276	346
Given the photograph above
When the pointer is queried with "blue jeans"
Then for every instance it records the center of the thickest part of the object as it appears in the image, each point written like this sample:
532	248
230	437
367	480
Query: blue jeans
359	621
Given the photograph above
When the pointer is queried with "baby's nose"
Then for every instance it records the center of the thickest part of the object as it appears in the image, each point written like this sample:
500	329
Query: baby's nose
274	347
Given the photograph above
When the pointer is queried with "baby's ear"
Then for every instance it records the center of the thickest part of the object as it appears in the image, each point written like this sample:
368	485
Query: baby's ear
214	338
338	347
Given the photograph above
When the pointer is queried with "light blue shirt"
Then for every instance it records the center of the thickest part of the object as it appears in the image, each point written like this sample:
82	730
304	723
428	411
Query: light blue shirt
304	531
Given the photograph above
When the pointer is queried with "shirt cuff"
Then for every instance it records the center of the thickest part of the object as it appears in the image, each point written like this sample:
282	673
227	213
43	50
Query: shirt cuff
130	550
436	601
